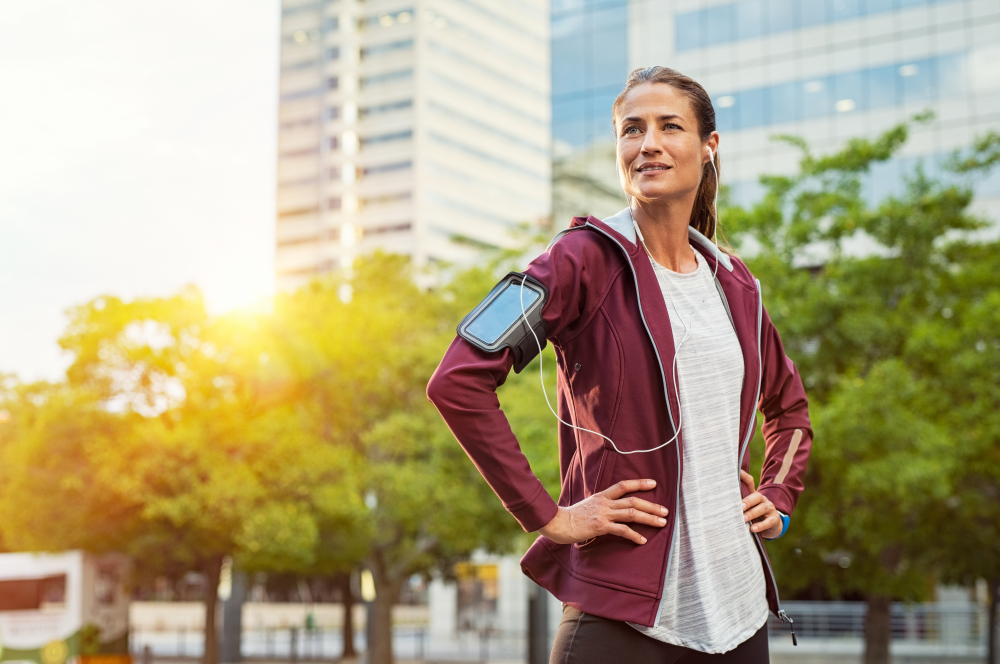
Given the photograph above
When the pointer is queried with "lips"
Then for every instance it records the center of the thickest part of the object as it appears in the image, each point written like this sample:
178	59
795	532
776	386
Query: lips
646	168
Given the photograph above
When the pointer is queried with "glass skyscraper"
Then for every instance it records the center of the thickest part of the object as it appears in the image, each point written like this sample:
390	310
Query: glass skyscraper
826	70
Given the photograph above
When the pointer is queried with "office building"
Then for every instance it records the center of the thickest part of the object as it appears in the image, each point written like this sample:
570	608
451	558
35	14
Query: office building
825	70
415	126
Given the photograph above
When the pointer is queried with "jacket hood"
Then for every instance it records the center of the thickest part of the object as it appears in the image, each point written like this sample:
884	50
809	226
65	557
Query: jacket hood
622	224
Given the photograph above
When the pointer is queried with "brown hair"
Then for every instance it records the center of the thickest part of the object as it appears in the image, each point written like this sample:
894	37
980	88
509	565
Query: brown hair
703	214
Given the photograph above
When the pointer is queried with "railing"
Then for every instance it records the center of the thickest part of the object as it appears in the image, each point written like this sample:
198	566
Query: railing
324	643
930	629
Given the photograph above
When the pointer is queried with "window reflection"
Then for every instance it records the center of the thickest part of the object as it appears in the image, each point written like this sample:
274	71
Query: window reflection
589	66
909	82
753	18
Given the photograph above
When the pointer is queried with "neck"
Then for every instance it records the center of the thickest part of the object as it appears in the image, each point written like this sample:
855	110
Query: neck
664	227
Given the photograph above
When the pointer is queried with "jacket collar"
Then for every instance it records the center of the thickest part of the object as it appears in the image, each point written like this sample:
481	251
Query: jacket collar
622	224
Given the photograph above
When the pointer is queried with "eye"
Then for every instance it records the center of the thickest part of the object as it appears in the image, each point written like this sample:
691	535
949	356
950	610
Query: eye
673	125
631	129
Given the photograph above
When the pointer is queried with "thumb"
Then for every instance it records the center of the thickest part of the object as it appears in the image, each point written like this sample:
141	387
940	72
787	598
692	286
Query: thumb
747	479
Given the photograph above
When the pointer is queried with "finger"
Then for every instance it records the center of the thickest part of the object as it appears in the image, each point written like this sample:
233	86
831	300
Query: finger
765	525
758	511
621	530
619	489
634	515
747	479
751	500
639	504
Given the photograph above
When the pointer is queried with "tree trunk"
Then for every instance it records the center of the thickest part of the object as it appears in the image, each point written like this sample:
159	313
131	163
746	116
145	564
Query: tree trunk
387	589
347	600
212	570
992	587
878	629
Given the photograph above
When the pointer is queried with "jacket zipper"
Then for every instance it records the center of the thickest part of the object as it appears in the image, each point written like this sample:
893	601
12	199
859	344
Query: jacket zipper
666	393
782	616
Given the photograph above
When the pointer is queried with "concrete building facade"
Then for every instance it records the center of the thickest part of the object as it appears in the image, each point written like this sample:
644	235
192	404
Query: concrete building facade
416	126
826	70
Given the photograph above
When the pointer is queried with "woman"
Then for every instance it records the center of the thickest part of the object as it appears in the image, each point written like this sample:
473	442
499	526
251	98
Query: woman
664	354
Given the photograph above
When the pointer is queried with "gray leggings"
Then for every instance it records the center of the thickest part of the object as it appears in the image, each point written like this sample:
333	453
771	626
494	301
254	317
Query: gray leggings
586	639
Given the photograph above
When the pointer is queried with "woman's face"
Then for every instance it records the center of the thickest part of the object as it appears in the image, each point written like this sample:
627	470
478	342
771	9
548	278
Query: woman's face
660	154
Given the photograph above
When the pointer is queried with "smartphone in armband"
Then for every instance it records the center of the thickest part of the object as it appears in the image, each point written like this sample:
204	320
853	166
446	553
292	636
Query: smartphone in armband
498	321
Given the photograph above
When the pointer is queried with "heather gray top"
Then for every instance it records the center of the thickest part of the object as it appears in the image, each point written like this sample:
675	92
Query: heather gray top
714	598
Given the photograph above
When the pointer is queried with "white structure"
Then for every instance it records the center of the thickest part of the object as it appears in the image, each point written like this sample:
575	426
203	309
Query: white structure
56	607
826	70
453	616
416	126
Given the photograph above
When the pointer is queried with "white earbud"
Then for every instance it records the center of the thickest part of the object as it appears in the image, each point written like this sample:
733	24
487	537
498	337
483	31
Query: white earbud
711	156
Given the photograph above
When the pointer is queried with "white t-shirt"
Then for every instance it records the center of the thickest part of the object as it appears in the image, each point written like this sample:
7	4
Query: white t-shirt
714	598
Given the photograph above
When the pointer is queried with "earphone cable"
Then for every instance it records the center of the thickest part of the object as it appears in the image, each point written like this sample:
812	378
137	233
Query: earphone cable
687	329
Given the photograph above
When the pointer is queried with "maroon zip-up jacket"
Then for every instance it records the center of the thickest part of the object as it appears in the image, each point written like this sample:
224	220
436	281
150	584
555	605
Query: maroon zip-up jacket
608	323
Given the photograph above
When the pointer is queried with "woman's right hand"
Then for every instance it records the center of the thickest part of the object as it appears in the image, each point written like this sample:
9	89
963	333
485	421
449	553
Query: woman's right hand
606	513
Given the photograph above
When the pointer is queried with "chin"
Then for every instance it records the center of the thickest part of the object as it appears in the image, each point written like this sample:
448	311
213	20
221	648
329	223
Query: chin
656	193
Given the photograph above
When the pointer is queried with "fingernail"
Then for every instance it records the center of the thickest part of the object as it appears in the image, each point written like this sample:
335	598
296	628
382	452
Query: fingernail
744	507
663	510
643	540
661	521
651	482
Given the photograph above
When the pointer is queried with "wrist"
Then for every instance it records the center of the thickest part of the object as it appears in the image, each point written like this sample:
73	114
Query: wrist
556	527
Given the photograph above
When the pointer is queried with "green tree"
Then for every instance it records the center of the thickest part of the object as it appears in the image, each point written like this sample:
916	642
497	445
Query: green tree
360	369
165	443
864	296
967	332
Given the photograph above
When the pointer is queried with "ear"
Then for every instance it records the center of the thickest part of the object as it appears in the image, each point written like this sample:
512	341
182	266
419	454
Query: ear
712	145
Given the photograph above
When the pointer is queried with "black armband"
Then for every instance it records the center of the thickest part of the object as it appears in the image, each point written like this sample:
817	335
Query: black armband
498	321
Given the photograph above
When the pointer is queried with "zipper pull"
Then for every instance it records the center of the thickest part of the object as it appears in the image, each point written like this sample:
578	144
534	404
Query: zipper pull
784	618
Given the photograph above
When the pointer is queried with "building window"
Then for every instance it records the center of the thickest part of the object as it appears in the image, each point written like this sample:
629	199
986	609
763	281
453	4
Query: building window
390	47
299	152
301	94
386	108
311	7
387	168
386	19
748	19
892	85
388	77
33	594
302	37
383	230
297	212
386	199
386	138
298	123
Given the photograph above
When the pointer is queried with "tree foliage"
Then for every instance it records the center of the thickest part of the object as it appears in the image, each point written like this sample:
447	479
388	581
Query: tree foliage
884	306
298	440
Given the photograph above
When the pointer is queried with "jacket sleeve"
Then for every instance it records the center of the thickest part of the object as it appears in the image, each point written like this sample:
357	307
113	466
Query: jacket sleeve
463	388
787	430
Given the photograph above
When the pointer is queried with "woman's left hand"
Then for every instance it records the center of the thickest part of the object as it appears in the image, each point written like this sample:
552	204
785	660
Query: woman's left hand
755	506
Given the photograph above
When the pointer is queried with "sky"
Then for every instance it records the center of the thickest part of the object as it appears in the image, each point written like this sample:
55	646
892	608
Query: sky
137	155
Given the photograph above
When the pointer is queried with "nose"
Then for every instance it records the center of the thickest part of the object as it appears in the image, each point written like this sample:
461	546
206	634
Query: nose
649	144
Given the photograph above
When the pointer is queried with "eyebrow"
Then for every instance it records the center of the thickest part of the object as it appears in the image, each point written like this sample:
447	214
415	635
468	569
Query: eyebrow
633	118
